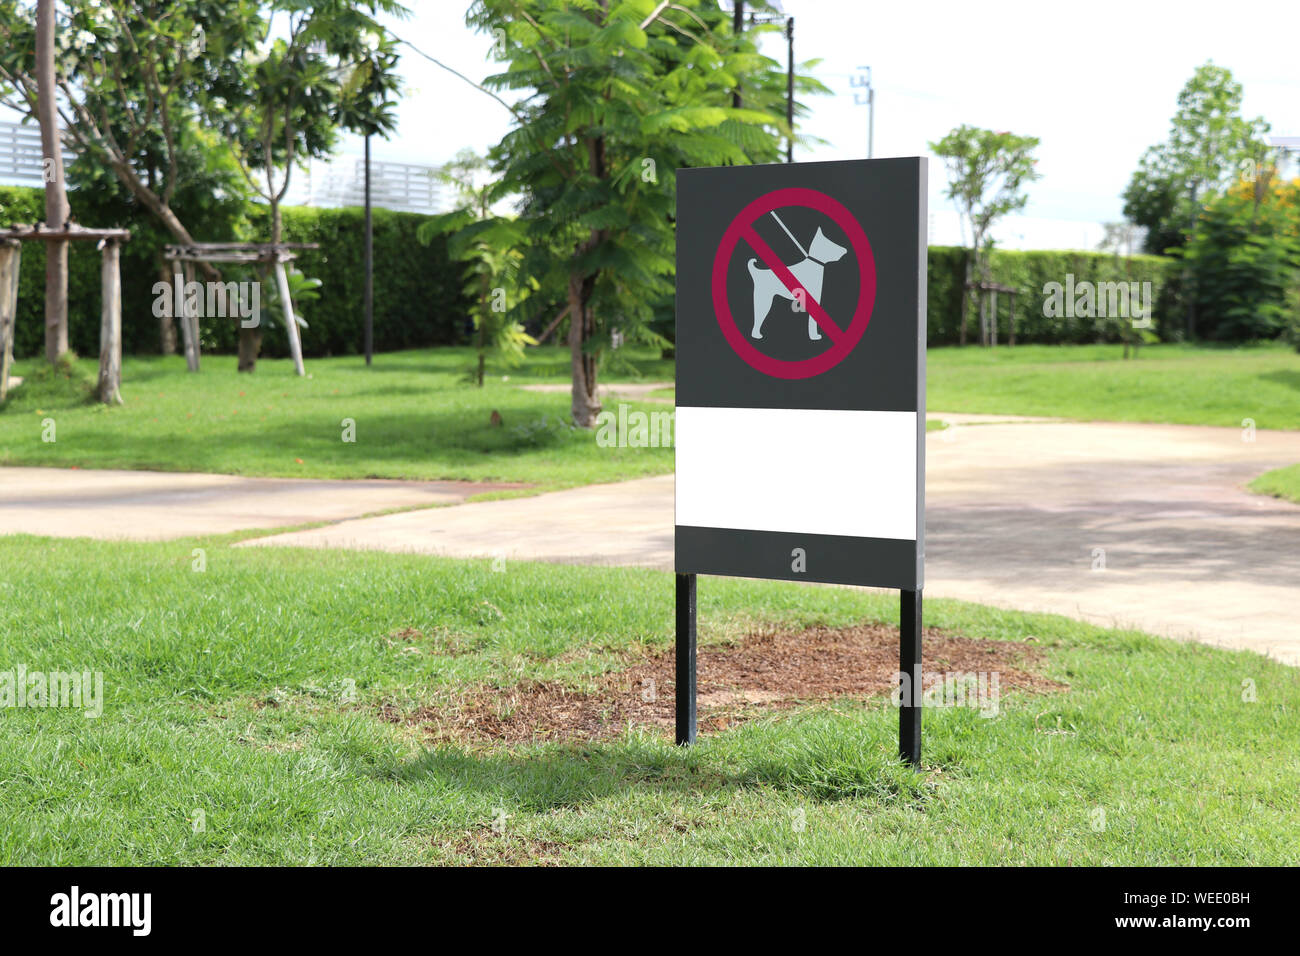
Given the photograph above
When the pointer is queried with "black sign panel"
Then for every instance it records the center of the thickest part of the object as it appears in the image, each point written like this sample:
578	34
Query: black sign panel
801	371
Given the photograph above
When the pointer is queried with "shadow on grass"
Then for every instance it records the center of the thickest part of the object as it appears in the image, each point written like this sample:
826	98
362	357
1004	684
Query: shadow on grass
821	755
1283	377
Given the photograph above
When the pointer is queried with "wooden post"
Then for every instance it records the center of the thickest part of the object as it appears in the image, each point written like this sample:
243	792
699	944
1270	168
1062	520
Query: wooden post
290	323
188	319
110	328
11	254
1011	340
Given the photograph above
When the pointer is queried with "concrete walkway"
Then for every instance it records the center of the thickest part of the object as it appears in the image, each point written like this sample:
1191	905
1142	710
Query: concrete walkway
155	506
1145	526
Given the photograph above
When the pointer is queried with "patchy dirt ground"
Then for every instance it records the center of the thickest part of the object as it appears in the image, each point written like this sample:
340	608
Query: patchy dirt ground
760	673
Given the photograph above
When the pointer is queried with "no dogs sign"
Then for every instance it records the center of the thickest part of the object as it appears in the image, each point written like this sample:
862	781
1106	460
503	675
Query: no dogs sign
800	426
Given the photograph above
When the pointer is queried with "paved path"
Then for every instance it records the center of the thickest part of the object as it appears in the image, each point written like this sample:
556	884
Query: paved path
1147	526
153	506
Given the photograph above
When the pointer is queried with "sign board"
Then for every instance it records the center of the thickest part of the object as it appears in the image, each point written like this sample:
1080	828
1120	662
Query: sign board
800	420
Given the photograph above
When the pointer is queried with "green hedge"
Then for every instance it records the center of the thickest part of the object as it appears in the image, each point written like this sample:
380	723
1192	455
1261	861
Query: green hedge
1029	272
418	301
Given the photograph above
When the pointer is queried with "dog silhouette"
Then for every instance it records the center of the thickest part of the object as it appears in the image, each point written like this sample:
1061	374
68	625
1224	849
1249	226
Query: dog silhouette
809	271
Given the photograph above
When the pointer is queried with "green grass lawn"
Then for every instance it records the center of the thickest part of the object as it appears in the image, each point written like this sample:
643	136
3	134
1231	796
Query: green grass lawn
1176	384
1280	483
415	416
252	692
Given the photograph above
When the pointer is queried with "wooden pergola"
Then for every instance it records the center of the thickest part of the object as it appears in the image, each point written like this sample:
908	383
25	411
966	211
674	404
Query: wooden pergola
988	300
269	255
110	329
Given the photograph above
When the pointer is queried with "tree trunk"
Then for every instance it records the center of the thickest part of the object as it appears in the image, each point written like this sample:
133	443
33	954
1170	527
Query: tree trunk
57	211
166	322
250	340
585	406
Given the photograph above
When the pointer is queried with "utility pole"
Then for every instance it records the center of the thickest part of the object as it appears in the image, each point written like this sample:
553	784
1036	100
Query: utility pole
737	28
370	265
868	99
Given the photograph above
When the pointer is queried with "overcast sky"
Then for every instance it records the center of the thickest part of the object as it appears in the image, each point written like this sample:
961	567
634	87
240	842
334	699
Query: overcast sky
1097	82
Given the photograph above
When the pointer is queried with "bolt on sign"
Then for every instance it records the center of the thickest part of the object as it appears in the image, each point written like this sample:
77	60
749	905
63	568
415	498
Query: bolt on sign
800	419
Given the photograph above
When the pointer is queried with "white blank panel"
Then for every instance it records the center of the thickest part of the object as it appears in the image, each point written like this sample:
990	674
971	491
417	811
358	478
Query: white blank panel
750	468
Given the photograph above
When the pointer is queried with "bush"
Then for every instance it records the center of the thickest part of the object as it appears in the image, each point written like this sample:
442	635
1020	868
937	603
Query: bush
1244	255
418	302
1029	273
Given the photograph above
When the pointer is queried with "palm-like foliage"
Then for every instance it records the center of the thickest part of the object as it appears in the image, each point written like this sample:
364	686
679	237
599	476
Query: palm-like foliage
490	246
615	96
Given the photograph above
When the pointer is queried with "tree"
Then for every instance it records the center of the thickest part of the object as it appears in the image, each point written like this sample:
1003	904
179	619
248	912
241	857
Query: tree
1209	142
1121	238
986	175
329	70
136	74
57	210
616	94
131	76
491	246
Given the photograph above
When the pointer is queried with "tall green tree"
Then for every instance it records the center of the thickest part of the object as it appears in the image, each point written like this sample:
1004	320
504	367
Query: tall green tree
274	79
1208	146
613	96
987	173
131	75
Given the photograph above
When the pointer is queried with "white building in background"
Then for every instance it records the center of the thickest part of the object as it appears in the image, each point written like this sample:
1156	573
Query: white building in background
403	187
20	155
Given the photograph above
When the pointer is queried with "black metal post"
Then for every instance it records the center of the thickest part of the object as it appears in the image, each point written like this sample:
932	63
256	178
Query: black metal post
789	88
685	659
909	664
738	28
369	266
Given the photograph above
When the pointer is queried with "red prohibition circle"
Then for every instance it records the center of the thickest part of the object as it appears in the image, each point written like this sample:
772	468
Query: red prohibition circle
851	335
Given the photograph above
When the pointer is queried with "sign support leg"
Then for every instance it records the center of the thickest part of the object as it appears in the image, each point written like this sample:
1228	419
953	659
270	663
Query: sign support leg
685	659
909	663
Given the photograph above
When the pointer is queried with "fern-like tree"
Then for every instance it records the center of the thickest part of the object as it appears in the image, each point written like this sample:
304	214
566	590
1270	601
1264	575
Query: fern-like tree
491	246
615	96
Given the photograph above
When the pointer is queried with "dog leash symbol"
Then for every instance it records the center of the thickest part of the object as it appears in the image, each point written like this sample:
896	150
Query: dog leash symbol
798	245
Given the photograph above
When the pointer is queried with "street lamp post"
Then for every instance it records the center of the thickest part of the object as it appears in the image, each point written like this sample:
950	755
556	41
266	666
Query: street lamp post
779	15
789	88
